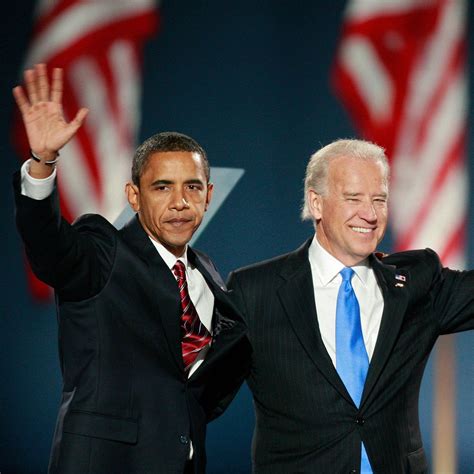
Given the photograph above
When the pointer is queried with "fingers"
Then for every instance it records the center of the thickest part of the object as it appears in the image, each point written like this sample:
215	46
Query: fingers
21	100
30	83
57	85
37	84
42	83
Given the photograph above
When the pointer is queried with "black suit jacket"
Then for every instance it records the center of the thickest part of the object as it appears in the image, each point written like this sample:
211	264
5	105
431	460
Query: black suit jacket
127	405
306	421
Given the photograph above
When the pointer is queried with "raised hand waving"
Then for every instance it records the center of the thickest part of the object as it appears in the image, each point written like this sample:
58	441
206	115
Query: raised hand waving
42	112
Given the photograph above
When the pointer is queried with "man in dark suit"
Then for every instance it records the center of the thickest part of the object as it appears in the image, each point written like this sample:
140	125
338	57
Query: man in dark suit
341	334
151	347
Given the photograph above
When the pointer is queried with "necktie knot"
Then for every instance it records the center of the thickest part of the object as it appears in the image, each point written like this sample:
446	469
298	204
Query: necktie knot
179	270
347	273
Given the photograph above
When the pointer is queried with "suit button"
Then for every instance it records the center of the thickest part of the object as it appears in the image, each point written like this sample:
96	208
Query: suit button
353	471
183	439
360	421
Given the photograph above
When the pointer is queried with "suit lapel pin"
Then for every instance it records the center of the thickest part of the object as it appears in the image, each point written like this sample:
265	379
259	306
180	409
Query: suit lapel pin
400	278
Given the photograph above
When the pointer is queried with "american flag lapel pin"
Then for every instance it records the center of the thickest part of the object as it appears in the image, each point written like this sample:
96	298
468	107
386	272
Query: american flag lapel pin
400	278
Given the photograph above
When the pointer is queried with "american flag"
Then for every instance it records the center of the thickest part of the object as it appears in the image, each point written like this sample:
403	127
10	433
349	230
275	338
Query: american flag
401	73
99	45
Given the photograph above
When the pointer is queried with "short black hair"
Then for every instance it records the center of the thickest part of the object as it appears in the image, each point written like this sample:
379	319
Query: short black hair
163	142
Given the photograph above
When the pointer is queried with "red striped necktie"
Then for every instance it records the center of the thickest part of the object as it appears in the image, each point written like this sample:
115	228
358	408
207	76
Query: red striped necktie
194	335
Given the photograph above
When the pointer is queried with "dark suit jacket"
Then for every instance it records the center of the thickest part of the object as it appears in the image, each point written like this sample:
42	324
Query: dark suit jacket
127	406
306	421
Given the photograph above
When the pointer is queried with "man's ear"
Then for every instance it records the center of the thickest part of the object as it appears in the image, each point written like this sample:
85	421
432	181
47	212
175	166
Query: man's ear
133	196
210	190
315	204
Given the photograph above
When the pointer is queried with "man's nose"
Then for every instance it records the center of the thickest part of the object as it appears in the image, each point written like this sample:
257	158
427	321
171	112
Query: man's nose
178	200
367	211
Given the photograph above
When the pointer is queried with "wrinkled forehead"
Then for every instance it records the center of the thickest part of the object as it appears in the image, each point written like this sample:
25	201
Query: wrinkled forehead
357	172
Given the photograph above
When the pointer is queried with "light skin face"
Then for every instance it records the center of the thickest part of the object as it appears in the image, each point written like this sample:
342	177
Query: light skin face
351	217
172	198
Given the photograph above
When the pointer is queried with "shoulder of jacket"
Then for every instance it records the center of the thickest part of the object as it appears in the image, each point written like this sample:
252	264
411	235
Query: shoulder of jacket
410	258
93	220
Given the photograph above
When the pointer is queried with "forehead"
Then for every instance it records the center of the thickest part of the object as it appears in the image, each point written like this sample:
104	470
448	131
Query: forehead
174	164
354	172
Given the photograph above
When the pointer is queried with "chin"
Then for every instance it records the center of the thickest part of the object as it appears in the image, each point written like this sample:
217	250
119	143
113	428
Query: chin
363	253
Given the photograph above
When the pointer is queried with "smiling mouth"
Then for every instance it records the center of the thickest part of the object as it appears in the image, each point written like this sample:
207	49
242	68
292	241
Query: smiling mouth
362	230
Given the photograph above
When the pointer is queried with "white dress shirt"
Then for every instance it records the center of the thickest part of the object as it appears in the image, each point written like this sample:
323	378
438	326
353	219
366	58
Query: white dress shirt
35	188
326	282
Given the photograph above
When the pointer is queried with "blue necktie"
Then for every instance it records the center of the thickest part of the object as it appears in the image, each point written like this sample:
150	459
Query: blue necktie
352	362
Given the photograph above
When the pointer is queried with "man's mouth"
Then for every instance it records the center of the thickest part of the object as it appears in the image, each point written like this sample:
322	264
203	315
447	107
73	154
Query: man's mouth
361	230
179	222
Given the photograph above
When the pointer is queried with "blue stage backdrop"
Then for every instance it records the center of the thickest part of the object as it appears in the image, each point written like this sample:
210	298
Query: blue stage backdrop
250	81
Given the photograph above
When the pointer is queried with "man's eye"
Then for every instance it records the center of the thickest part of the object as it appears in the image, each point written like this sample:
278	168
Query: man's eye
194	187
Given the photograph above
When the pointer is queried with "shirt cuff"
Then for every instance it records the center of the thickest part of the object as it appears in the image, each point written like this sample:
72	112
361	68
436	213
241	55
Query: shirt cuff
35	188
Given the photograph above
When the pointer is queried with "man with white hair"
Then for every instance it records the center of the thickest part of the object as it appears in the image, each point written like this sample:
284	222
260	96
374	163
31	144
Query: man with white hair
341	334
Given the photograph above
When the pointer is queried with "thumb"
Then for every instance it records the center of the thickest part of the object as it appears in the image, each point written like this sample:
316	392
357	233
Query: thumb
79	118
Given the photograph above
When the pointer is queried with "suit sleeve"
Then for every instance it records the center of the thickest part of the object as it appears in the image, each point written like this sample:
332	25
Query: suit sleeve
74	259
224	387
453	301
450	292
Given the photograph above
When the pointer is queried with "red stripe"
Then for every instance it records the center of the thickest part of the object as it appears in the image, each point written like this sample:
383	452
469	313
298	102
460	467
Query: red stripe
412	29
451	72
51	16
135	28
451	162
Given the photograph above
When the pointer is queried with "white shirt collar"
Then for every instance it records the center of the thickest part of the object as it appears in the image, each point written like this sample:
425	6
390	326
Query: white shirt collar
169	258
326	267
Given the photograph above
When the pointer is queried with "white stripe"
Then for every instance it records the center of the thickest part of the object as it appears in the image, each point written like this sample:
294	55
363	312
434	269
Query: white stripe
363	9
447	211
434	61
414	175
113	160
76	181
79	21
126	73
360	59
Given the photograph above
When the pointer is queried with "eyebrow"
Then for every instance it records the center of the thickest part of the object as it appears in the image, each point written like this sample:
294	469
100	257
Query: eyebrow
162	182
384	195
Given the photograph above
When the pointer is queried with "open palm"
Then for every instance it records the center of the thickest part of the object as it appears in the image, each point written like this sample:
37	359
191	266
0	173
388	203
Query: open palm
42	112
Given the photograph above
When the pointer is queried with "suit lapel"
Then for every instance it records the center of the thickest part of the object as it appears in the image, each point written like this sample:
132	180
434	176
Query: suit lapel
297	297
164	288
395	303
227	331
